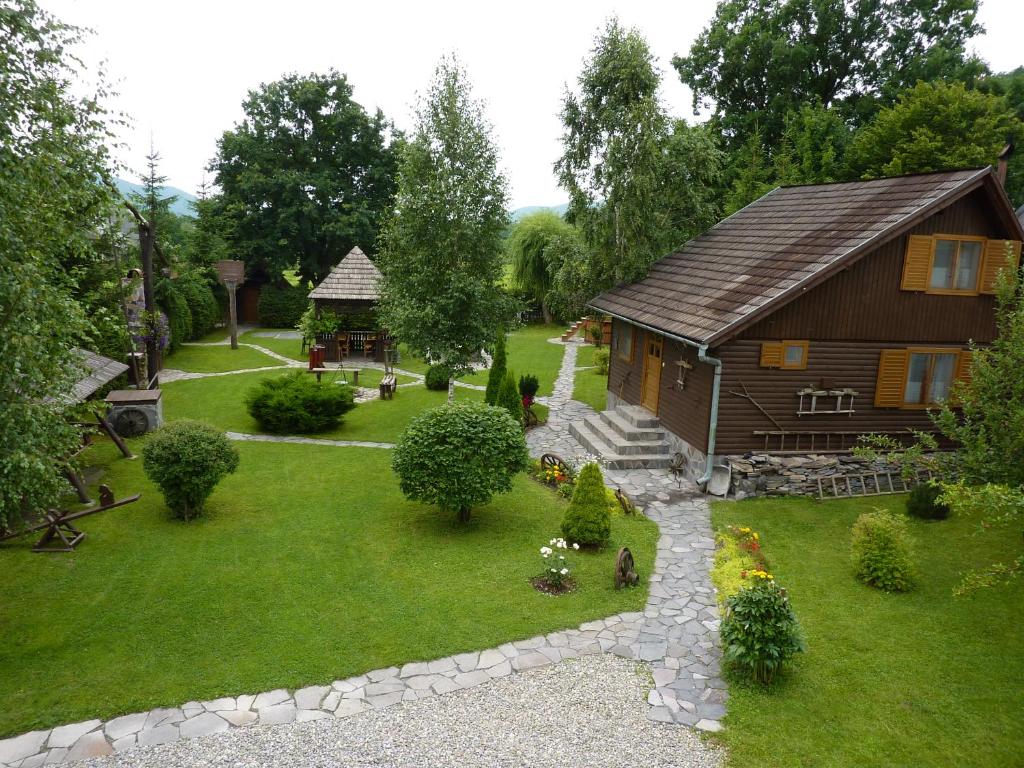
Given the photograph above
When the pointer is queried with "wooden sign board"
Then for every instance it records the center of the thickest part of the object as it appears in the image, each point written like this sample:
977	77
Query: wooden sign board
231	271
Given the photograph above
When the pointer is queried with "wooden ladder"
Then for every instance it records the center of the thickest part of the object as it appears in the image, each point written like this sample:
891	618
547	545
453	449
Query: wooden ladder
868	484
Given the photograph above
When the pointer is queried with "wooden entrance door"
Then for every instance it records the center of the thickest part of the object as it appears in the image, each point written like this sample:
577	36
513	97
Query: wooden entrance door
652	372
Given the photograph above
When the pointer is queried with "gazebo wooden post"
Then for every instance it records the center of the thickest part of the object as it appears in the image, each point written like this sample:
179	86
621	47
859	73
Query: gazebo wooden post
233	313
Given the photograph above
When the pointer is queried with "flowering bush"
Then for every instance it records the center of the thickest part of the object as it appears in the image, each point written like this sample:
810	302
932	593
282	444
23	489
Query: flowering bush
739	560
760	631
557	570
153	327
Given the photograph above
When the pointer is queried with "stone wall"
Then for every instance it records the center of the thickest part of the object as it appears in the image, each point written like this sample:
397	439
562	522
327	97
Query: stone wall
760	474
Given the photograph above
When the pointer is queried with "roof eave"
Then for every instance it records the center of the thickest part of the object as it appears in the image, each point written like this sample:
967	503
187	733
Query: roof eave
982	178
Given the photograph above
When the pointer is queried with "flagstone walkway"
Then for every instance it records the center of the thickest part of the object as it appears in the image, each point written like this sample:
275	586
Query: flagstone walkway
676	634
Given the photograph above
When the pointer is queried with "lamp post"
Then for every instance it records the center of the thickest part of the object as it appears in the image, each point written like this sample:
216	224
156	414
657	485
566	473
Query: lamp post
232	274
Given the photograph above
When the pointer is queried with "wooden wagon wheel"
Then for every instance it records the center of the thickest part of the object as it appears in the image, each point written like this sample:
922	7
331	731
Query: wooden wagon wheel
625	570
553	460
131	422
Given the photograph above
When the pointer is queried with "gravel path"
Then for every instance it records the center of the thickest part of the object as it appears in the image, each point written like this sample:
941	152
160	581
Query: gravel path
585	712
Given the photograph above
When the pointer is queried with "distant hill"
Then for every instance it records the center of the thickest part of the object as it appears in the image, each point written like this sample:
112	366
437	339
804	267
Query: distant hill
181	206
518	213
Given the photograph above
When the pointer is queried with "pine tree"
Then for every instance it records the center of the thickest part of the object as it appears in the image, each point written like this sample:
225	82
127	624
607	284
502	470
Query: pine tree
509	398
588	521
497	372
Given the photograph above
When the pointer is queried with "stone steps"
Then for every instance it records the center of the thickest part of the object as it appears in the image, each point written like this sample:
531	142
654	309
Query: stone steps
625	438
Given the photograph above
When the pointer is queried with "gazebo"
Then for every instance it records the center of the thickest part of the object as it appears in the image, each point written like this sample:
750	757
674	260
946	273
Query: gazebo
350	293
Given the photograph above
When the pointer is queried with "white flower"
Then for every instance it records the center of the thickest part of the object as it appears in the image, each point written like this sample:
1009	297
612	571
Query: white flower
545	551
575	545
564	571
553	542
554	570
561	557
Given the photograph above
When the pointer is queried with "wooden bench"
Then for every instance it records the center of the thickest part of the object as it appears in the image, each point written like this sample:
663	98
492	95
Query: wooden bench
388	385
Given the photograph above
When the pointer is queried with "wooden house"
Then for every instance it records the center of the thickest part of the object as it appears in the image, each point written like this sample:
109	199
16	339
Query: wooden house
813	315
350	293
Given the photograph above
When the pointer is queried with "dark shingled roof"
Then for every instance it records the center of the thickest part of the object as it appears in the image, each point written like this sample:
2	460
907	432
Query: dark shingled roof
100	372
790	239
355	278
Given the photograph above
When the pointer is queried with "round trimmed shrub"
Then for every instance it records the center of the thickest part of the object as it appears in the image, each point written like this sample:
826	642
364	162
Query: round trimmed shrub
297	403
882	553
281	306
601	361
588	520
459	455
437	377
186	460
923	502
760	631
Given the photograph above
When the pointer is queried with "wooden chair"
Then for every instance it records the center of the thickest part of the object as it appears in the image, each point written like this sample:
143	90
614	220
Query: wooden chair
342	339
370	345
388	385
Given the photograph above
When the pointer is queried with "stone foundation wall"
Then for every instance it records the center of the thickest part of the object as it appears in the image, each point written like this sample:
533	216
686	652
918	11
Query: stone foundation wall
761	474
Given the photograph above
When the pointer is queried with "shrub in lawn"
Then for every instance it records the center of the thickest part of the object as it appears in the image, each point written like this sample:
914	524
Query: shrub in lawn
437	377
588	520
186	460
281	306
760	631
179	317
201	302
528	386
496	375
296	402
601	360
923	502
882	551
459	455
509	399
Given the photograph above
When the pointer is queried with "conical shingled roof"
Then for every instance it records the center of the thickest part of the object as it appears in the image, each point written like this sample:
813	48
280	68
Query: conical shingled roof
353	279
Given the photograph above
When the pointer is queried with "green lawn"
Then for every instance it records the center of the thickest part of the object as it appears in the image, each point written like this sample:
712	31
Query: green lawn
290	348
220	401
920	679
589	386
217	359
528	352
309	566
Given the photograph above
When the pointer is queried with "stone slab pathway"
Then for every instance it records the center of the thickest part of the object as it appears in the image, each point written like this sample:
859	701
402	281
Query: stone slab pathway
245	437
676	634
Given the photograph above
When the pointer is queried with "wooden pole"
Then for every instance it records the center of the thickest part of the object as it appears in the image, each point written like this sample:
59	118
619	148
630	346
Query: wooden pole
147	241
233	314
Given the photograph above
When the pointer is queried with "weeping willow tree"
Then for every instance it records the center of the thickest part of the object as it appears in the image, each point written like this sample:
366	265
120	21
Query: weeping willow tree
532	253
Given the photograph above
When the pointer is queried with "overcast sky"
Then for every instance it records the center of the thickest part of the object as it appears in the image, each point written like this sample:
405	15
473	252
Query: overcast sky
182	69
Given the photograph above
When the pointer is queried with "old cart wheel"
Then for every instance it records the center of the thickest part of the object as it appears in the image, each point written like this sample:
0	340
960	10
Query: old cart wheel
131	422
625	570
554	461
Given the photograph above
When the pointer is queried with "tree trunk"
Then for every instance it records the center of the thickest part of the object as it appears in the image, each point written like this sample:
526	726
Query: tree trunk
148	241
544	310
463	514
451	397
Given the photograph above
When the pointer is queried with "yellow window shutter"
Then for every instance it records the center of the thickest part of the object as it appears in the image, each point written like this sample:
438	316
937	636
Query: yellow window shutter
963	366
771	354
917	263
892	375
995	260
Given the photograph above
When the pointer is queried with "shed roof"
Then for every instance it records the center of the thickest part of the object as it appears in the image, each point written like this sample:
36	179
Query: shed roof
354	278
789	240
100	371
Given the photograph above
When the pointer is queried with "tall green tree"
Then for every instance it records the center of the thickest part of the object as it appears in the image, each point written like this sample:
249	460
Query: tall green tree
529	252
171	230
1010	85
440	258
759	60
628	198
52	153
932	127
306	175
